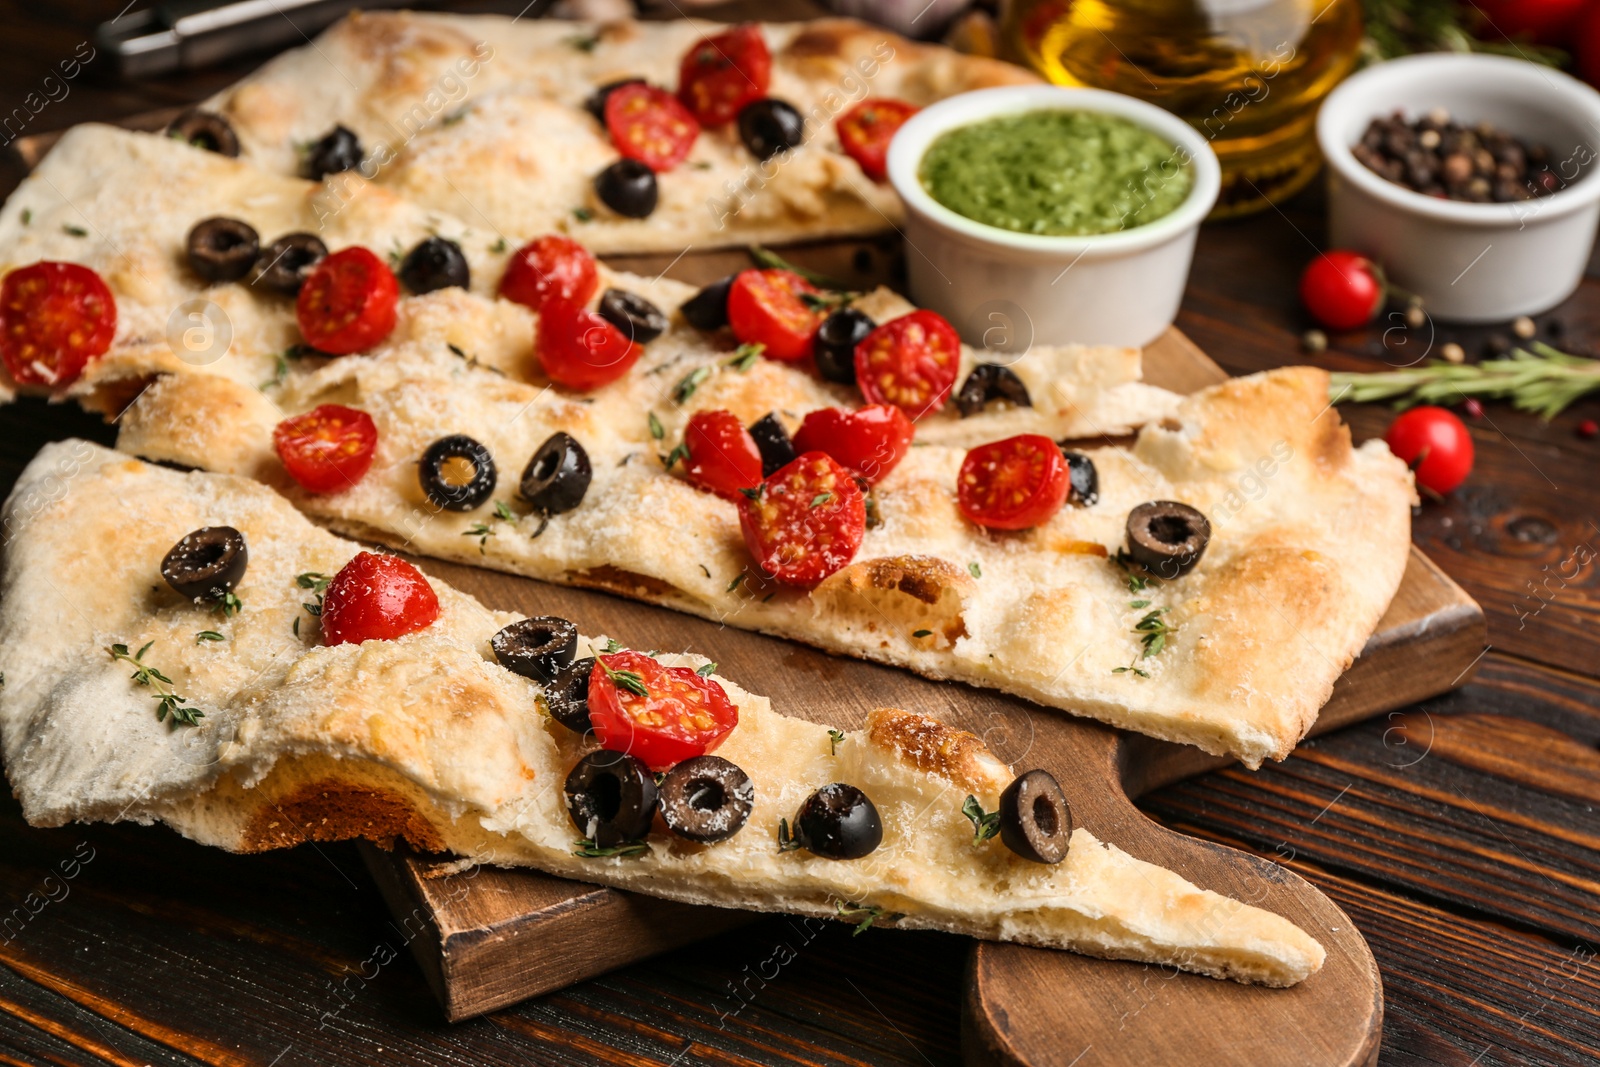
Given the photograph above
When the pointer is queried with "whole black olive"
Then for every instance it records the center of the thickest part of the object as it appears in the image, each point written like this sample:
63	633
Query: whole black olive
628	187
1084	478
1035	821
567	696
536	648
838	822
706	799
286	263
991	381
207	563
611	797
222	249
457	473
639	320
557	476
436	263
596	103
833	346
770	126
339	150
708	309
205	129
772	440
1167	538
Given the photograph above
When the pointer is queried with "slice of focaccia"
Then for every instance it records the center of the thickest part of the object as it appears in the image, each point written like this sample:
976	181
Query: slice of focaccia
427	737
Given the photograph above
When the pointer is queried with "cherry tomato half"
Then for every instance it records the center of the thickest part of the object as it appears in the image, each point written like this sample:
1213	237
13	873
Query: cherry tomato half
806	522
910	362
1342	290
348	303
54	318
866	130
723	457
721	74
1435	444
327	449
648	124
679	715
581	350
1013	484
376	597
550	268
768	307
871	440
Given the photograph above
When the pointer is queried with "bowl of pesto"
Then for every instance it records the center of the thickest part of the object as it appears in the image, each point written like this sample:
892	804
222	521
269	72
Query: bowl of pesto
1050	215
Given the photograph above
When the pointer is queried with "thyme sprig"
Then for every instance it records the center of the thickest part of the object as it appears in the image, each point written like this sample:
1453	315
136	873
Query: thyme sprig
835	739
1153	631
985	824
864	915
168	702
1542	381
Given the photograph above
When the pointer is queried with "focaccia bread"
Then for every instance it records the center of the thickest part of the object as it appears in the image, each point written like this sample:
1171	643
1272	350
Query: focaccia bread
428	738
483	117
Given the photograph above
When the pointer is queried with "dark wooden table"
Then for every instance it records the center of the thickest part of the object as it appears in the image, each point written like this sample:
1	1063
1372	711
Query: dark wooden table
1461	835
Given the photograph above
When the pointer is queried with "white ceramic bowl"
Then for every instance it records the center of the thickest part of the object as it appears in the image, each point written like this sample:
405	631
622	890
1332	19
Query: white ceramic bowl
1468	262
1003	289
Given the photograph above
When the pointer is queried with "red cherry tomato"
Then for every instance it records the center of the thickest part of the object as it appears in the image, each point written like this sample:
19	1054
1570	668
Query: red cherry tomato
1013	484
550	268
1544	21
348	303
806	522
1435	445
376	598
723	457
581	350
327	449
866	130
767	307
54	318
1342	290
871	440
910	362
679	715
648	124
722	74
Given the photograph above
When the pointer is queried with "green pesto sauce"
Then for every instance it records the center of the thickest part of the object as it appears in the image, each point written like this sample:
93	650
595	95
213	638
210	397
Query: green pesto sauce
1056	172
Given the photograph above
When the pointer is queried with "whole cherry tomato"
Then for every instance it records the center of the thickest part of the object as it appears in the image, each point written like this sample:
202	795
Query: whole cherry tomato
550	269
348	302
866	130
1013	484
770	308
807	520
328	448
1342	290
910	362
723	457
648	124
871	440
376	597
657	714
581	350
721	74
54	318
1435	444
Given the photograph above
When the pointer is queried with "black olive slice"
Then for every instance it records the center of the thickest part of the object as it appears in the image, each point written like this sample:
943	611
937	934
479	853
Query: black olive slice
991	381
557	476
567	696
1167	538
207	563
457	473
628	187
436	263
1085	479
770	126
833	346
596	104
773	442
611	797
708	309
205	129
339	150
706	799
838	822
536	648
639	320
222	249
286	263
1035	821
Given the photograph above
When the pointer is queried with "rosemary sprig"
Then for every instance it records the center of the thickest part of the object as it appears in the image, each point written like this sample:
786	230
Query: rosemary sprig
835	739
589	850
766	257
985	824
1542	381
168	702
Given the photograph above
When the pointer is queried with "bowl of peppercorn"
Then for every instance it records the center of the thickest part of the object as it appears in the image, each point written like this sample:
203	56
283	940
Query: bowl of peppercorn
1469	178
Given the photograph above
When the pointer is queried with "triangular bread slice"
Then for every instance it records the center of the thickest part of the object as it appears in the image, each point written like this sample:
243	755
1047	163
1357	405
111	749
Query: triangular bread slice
429	739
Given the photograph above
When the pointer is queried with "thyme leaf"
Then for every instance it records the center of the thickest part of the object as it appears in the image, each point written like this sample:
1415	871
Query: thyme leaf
168	702
985	824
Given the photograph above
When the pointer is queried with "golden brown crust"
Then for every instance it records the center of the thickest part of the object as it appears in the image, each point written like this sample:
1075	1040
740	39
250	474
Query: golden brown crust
936	748
331	810
910	592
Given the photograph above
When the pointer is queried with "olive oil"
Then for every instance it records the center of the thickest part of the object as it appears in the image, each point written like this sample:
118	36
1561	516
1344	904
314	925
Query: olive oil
1248	74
